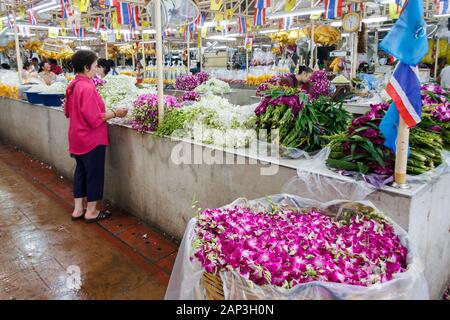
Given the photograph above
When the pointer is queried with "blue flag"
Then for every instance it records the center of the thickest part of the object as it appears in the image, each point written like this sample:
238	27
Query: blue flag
407	40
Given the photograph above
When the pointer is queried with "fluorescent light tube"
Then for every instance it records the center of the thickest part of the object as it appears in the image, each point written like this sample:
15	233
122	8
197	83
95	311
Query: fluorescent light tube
56	6
366	20
296	13
221	38
42	6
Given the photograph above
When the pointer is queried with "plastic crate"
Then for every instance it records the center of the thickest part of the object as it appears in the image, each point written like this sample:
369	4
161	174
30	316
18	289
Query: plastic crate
52	100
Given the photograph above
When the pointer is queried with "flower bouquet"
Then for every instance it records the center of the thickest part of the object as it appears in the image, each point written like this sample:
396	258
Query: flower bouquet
301	122
212	120
362	148
145	112
436	112
213	86
287	247
190	82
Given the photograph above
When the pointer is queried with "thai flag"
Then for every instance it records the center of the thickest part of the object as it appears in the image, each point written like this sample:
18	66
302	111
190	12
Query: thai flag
199	21
242	24
24	31
82	33
333	9
66	8
31	15
442	7
225	30
262	4
97	24
191	26
260	17
288	23
404	89
123	13
135	16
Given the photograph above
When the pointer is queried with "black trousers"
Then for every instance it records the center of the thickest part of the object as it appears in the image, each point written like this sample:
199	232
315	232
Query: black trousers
89	177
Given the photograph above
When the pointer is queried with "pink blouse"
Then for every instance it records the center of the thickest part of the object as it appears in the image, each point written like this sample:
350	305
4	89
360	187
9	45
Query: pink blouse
85	109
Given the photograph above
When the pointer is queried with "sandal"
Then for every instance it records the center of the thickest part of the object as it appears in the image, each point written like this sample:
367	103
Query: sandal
101	216
80	217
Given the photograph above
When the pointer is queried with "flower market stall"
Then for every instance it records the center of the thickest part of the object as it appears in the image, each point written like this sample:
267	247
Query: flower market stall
328	222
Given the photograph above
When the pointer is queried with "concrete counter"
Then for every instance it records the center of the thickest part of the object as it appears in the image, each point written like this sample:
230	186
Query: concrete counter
143	177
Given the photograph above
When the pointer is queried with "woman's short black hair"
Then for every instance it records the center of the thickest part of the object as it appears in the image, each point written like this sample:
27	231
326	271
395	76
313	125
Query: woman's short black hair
26	64
306	69
83	58
104	64
111	63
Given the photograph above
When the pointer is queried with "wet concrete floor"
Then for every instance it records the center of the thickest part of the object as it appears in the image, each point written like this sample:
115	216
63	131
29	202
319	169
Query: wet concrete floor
44	255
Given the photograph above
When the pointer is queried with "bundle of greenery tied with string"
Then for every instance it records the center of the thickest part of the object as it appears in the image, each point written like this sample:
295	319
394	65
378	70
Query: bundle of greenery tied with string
301	122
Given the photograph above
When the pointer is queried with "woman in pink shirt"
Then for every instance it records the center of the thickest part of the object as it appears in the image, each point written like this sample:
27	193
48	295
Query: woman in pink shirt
88	136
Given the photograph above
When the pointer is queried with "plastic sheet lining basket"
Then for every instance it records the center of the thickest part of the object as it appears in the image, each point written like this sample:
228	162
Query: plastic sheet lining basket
213	286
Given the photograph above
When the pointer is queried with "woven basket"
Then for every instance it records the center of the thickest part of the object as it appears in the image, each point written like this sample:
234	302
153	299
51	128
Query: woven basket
214	288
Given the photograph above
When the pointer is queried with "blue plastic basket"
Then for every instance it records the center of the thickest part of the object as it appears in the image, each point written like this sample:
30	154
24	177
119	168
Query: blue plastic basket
34	97
52	100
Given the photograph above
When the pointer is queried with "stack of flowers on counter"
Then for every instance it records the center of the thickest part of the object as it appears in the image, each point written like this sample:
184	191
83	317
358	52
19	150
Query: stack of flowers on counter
190	82
301	122
116	88
145	111
436	111
55	88
9	91
320	85
212	120
362	148
190	96
213	86
285	247
121	92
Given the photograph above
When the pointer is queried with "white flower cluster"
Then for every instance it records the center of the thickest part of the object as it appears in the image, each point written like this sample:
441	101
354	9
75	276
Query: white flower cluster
214	120
120	92
55	88
213	86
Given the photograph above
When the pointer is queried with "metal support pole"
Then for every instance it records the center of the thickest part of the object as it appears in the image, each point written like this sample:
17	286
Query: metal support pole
159	61
16	39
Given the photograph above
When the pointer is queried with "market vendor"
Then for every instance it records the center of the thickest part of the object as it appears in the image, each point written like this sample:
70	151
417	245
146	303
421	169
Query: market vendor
88	136
301	80
103	67
46	74
27	71
364	75
444	76
56	69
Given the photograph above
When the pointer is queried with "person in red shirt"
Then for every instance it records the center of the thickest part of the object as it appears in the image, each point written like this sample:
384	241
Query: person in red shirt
54	67
88	136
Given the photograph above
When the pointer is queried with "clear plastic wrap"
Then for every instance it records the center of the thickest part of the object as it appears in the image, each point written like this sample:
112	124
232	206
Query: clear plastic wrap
185	281
317	181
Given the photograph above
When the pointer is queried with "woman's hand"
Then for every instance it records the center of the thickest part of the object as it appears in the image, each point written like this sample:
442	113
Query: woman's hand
121	112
